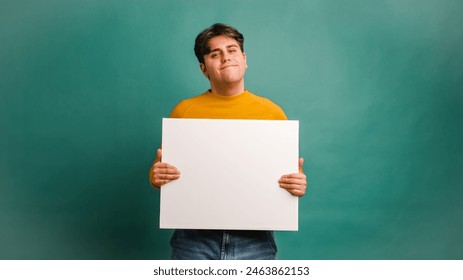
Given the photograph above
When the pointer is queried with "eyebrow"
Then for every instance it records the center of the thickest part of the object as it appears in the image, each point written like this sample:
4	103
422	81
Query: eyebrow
227	47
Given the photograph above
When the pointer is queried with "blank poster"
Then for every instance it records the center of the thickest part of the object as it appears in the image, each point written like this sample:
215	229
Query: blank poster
229	174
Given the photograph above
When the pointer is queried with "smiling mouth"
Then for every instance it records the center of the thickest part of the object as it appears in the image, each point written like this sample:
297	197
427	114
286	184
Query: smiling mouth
228	66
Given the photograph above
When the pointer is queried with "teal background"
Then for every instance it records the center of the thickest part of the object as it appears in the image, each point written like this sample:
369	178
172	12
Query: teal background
376	85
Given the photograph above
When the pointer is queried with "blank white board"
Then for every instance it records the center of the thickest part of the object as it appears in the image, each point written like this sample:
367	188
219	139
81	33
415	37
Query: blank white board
229	174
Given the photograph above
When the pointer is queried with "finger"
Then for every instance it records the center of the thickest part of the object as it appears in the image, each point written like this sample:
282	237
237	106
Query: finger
301	163
297	177
167	176
164	173
166	170
159	155
294	175
287	186
162	166
297	193
296	190
160	183
301	185
293	183
293	186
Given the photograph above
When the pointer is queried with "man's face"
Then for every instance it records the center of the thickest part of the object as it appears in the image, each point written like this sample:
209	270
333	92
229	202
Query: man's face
226	63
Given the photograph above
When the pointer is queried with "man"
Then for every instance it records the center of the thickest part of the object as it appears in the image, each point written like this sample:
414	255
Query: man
222	60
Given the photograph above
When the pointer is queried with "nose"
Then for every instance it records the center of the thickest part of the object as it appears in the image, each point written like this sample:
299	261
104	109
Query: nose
225	57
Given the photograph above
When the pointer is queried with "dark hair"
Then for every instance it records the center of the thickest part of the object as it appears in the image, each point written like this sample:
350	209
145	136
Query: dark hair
202	40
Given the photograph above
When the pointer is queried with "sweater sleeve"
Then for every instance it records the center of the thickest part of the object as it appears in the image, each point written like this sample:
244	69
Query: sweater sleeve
179	110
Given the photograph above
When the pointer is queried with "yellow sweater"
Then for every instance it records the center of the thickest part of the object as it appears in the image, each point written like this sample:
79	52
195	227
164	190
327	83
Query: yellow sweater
245	105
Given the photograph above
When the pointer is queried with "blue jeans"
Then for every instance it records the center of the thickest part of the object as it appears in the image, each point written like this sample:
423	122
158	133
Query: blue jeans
190	244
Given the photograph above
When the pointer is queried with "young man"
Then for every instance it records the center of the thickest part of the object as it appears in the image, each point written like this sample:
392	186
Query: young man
222	60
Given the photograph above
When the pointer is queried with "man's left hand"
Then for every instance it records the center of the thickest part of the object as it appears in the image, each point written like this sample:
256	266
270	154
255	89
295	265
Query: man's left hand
295	183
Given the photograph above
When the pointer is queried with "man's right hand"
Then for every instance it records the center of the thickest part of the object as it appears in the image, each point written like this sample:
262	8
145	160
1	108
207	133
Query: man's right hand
162	173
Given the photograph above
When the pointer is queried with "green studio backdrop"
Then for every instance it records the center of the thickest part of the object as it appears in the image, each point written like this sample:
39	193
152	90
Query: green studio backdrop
376	85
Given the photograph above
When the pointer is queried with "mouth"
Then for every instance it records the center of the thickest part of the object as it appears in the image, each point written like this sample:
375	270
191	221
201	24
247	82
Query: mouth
227	66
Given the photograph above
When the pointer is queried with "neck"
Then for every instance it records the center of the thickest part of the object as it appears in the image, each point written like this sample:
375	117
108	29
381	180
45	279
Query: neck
228	89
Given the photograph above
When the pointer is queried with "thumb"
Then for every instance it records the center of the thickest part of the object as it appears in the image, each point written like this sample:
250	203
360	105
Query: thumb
301	163
159	155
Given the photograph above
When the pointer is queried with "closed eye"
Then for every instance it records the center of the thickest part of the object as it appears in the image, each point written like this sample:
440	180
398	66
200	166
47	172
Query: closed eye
232	49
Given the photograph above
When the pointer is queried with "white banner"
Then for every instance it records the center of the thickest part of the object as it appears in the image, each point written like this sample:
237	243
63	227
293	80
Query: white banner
229	174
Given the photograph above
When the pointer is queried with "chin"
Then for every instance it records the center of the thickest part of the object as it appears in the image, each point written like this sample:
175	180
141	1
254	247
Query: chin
233	78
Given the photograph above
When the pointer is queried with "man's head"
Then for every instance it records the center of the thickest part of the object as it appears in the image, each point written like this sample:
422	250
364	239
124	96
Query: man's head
202	40
219	50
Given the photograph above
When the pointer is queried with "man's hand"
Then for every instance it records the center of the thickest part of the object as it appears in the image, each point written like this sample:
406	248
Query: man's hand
295	183
162	173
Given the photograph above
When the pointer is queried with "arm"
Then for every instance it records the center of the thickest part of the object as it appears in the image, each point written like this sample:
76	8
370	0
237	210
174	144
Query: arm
295	183
162	173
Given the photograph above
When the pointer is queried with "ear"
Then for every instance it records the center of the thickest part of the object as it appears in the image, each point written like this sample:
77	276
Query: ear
203	68
245	63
